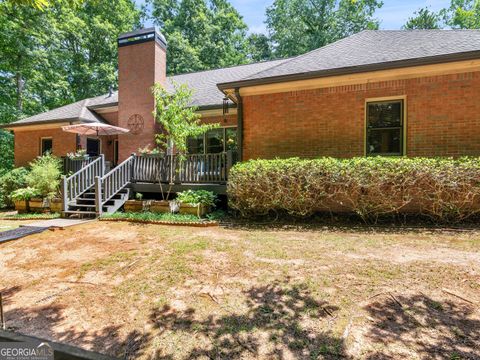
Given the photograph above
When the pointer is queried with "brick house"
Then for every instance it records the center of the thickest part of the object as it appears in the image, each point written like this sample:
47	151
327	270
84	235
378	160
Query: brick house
403	93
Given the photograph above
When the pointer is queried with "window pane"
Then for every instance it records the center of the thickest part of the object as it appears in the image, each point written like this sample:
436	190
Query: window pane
47	145
214	141
231	139
385	114
195	145
384	141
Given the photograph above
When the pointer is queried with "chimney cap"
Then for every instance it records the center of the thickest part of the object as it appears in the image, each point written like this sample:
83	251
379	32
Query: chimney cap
142	35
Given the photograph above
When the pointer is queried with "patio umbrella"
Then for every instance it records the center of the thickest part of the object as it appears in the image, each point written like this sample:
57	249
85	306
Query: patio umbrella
98	129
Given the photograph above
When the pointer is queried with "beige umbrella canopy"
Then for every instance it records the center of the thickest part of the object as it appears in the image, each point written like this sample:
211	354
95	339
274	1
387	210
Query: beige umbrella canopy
95	129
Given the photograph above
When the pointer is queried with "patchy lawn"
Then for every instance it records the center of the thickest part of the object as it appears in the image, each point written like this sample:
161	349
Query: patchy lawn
9	225
161	292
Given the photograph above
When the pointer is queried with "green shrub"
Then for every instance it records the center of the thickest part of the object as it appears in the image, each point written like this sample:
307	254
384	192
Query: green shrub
45	175
24	194
445	190
197	197
9	182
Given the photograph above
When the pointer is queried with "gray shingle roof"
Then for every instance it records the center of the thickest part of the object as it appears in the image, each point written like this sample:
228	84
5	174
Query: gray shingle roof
375	47
205	82
367	49
77	111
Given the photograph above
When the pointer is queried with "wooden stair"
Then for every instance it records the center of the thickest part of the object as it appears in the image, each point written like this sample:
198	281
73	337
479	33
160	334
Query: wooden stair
85	205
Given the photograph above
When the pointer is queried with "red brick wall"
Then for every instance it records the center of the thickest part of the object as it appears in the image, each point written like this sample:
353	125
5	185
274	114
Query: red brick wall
443	118
139	67
27	144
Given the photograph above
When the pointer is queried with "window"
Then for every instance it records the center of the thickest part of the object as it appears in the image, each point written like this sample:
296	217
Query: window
385	126
46	145
93	147
214	141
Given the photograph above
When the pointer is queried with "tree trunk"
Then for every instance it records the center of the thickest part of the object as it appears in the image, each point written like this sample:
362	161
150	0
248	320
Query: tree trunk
20	87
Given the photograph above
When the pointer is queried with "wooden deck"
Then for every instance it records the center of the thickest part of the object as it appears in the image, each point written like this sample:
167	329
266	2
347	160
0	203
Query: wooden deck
92	189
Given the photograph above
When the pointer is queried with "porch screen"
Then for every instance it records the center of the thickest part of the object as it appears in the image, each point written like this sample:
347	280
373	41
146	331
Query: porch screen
385	128
214	141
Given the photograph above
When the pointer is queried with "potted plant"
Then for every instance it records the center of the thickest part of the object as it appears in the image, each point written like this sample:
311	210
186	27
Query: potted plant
147	152
44	177
80	154
196	202
21	198
160	206
136	205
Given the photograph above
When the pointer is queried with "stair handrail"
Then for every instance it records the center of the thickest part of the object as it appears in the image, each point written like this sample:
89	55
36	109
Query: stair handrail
78	183
108	185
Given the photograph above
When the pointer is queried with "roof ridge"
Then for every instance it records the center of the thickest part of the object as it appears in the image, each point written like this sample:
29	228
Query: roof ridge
229	67
308	52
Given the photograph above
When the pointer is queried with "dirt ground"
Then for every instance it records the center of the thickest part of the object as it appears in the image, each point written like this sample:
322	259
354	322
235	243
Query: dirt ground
163	292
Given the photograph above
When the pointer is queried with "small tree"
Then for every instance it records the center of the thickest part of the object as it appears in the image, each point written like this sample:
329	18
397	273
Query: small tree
178	120
44	175
177	117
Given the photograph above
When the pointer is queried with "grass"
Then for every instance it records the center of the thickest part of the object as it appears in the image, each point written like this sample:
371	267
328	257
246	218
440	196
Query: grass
30	216
149	216
226	293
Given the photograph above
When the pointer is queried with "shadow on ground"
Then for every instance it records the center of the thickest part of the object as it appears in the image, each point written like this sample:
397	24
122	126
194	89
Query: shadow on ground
431	329
45	321
278	310
280	320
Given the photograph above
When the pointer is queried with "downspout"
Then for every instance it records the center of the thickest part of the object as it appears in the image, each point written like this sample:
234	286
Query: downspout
239	123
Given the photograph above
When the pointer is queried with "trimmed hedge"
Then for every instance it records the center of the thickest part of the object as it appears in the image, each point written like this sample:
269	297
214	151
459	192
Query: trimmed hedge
446	190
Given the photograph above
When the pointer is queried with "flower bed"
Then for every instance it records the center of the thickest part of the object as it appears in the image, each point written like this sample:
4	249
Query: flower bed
158	218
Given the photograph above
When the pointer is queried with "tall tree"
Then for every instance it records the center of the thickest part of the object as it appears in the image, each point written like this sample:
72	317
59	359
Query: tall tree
423	19
463	14
59	54
297	26
260	47
201	34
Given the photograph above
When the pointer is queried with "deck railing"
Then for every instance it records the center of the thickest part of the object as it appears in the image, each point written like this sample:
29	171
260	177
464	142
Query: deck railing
111	183
78	183
71	166
197	168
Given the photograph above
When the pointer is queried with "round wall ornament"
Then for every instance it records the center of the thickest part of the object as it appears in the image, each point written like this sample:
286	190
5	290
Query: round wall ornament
135	124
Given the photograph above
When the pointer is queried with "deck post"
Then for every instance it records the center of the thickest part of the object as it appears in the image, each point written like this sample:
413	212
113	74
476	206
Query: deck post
63	189
132	168
229	163
102	169
98	195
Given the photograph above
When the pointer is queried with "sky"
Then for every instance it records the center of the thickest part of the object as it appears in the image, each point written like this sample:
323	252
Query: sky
393	14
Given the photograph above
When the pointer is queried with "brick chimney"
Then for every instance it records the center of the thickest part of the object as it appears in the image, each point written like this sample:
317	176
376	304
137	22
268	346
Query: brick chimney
142	61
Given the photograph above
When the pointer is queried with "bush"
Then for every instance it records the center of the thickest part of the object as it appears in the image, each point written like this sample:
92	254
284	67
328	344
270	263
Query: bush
445	190
197	197
45	175
9	182
24	194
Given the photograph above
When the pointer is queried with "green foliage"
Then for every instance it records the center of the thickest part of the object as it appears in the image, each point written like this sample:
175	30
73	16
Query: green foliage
201	34
178	119
6	149
260	48
463	14
445	190
139	196
9	182
59	54
423	19
298	26
197	197
24	194
44	175
149	216
30	216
